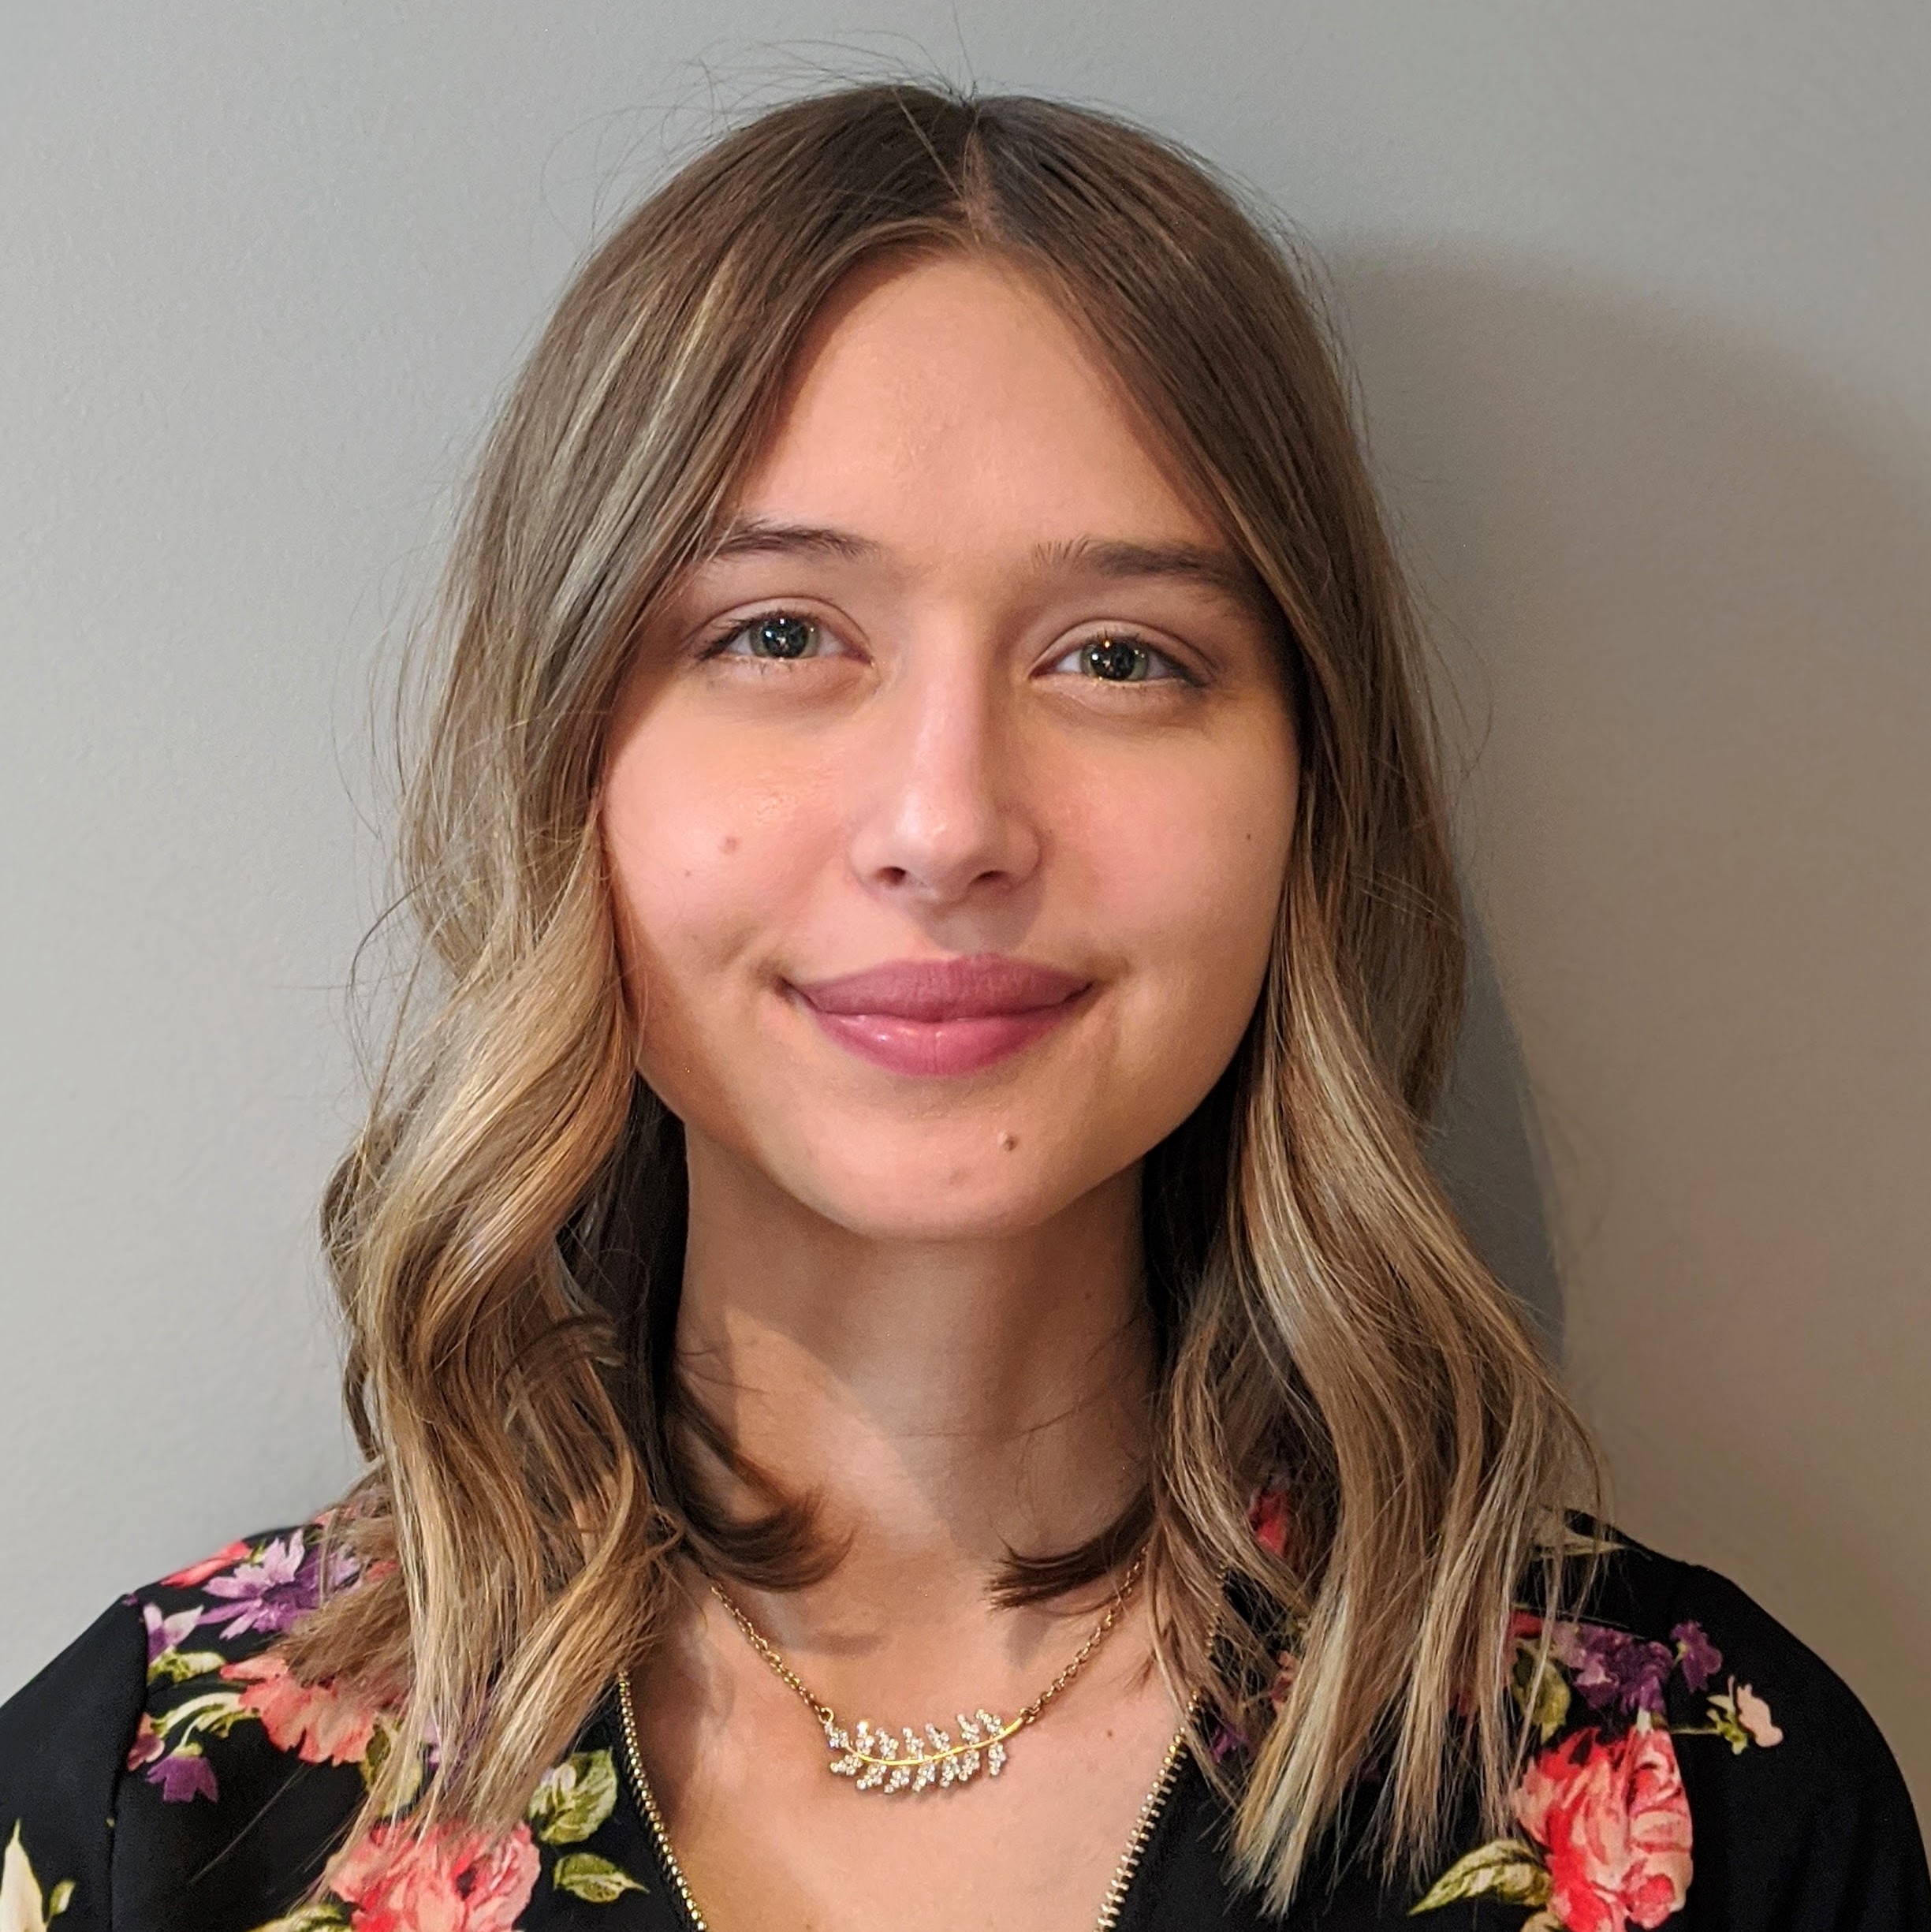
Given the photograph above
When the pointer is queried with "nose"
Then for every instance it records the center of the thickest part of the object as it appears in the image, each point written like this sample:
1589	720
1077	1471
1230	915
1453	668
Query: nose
946	811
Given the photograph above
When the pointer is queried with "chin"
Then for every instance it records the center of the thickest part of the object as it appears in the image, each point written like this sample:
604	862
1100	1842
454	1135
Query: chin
966	1197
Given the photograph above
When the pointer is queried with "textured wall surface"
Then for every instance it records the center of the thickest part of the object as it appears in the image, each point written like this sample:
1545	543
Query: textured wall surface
1637	298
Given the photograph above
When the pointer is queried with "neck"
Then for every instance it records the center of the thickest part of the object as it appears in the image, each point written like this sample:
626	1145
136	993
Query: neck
943	1403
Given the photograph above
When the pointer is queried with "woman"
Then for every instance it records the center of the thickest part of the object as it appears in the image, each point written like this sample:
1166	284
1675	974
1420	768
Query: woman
912	1366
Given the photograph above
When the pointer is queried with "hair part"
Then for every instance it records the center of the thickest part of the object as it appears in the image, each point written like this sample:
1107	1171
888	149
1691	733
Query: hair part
506	1233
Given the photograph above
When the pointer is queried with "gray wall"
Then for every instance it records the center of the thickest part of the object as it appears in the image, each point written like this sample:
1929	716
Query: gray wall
1638	295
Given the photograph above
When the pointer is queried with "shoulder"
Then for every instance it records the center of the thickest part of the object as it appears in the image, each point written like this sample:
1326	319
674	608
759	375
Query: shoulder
1715	1631
1686	1647
212	1672
61	1739
168	1769
164	1731
1689	1750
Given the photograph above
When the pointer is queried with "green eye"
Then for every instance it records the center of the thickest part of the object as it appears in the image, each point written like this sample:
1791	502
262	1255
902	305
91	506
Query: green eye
1123	659
1119	660
779	636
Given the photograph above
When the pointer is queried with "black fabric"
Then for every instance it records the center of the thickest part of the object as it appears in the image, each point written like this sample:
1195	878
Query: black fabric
163	1774
62	1741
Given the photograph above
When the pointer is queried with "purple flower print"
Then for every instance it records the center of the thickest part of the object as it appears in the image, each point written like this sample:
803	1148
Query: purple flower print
1698	1658
1613	1670
183	1774
275	1591
164	1633
1226	1741
148	1743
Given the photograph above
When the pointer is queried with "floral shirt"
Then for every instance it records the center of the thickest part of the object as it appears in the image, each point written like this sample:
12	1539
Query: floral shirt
1695	1765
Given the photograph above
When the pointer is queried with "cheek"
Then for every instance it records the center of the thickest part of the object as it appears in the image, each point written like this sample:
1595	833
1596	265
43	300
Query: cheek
706	847
1191	884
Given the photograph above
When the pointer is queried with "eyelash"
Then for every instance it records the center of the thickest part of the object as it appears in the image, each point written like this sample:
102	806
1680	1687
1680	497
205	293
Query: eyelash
713	647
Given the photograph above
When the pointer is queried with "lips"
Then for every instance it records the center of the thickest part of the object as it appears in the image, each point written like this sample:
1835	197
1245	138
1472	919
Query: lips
975	986
942	1016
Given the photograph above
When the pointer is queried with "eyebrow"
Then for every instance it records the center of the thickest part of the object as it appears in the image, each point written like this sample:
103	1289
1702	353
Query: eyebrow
1195	563
754	537
1113	558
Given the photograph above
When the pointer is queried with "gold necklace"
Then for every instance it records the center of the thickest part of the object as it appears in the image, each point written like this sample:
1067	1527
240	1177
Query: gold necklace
1111	1906
876	1758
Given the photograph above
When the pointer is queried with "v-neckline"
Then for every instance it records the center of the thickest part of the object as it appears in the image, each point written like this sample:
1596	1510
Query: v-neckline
1120	1891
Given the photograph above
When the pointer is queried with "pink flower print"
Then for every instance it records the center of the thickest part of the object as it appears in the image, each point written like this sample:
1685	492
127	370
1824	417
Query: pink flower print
1613	1823
148	1743
1267	1516
319	1723
445	1881
200	1573
1286	1664
1755	1715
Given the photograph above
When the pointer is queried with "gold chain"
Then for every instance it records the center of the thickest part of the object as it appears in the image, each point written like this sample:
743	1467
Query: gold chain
876	1759
1111	1906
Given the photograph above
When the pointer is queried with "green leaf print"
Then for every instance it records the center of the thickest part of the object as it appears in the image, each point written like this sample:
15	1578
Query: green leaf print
21	1908
594	1879
574	1798
177	1666
1541	1695
1503	1868
322	1917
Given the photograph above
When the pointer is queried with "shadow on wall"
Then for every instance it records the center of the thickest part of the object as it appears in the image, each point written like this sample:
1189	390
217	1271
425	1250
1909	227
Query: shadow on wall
1488	1148
1680	581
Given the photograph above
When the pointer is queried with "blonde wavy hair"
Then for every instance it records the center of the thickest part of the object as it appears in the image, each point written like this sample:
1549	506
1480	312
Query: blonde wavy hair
506	1232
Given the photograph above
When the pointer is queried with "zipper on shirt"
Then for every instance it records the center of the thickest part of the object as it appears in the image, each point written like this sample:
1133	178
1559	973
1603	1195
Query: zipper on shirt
1150	1814
647	1803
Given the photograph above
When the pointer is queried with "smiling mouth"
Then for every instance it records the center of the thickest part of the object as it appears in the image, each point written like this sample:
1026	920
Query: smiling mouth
937	1047
938	1017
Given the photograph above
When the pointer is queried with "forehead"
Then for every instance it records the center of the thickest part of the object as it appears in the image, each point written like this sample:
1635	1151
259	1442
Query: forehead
947	403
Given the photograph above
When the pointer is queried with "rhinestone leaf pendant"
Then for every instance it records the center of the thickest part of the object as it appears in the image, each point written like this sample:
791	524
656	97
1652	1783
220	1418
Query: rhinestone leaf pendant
876	1759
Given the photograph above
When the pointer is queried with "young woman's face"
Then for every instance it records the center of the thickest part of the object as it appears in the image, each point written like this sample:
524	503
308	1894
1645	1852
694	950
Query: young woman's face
948	809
